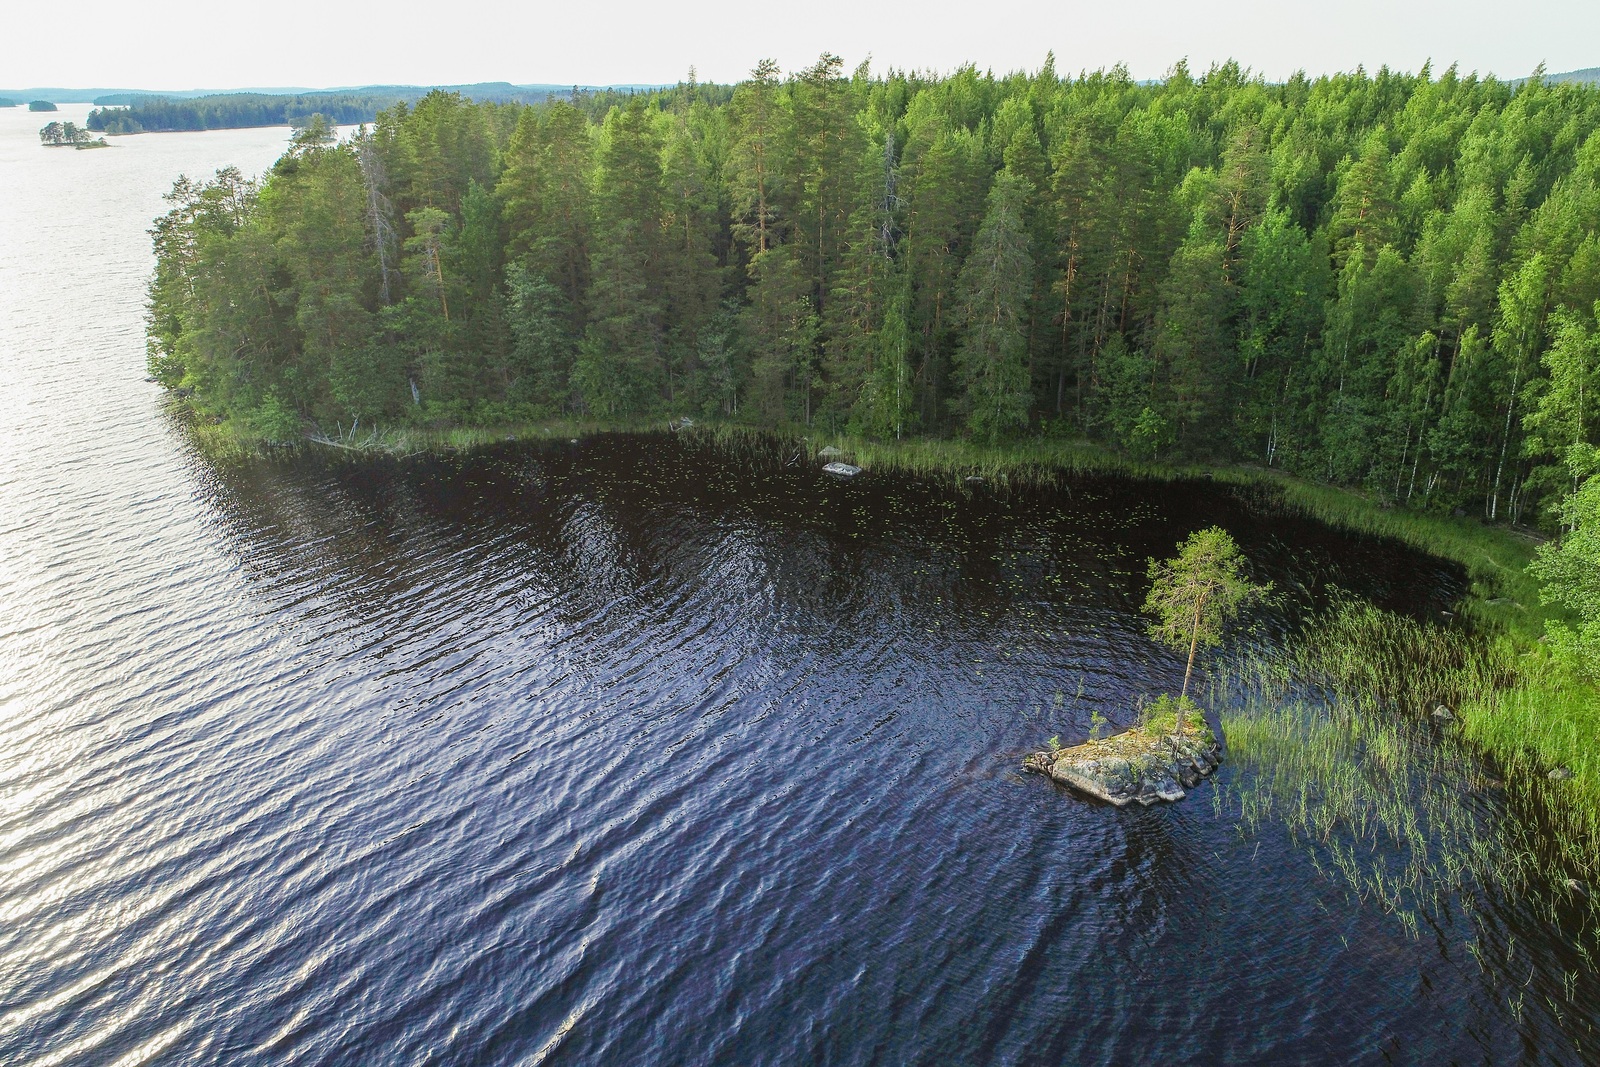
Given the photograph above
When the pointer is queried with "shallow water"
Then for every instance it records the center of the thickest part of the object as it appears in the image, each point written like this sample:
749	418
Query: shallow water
619	752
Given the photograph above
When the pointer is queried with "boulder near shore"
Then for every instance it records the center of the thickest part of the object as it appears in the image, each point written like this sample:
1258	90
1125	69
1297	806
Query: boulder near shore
1139	764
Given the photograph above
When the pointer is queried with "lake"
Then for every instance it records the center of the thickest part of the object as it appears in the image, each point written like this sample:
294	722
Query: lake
628	750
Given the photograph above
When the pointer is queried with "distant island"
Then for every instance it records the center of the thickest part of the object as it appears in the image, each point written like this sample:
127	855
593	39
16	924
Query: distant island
40	105
69	135
157	114
6	101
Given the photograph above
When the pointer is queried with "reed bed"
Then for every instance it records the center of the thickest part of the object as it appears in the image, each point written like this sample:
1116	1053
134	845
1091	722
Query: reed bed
1545	733
1339	738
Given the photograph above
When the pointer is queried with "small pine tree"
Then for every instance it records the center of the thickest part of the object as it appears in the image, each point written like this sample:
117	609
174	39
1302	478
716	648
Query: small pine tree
1197	594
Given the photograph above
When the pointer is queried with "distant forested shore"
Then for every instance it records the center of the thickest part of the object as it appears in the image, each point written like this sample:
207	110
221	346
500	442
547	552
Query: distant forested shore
126	113
157	114
1381	280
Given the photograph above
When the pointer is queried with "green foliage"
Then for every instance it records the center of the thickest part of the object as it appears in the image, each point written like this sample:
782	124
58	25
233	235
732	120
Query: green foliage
1570	571
539	370
275	421
1196	594
991	360
1167	714
1383	281
56	134
1149	436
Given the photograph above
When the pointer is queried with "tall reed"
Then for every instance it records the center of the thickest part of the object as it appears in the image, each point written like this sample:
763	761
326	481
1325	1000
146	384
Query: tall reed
1341	736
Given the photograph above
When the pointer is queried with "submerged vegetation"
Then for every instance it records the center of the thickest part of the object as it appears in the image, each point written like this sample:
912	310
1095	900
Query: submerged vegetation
1438	815
1362	688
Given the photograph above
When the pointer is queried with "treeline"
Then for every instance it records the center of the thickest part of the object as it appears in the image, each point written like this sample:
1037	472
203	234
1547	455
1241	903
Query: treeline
1378	279
156	114
147	113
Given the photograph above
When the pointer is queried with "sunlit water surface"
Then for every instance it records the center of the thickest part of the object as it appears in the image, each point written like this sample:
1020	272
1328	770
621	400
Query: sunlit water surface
613	753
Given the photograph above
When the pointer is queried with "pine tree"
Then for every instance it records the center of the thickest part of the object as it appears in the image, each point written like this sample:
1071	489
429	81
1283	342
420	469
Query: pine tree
1197	594
995	284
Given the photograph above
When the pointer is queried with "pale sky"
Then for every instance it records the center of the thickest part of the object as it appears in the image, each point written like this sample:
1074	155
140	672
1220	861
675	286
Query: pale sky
322	43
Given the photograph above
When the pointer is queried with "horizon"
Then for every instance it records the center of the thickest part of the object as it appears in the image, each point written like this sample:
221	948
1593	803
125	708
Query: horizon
644	45
1435	69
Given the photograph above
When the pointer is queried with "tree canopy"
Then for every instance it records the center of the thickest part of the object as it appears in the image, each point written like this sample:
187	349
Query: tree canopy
1379	279
60	134
1196	594
1570	570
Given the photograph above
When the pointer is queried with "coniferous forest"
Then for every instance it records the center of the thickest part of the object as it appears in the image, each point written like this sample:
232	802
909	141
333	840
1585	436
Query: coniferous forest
1384	280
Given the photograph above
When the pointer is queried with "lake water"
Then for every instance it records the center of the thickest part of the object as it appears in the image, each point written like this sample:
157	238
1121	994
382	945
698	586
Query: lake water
621	752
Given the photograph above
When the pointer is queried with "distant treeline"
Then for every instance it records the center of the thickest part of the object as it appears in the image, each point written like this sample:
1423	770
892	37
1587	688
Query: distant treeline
235	111
6	101
1383	279
139	113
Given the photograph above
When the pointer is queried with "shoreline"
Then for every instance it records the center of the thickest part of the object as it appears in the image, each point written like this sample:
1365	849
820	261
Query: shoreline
1501	593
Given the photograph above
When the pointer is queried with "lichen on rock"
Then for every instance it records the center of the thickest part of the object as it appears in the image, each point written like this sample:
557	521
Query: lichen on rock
1139	764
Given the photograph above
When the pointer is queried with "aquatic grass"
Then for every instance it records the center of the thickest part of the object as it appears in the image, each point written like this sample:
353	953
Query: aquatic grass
1377	658
1333	738
1545	732
236	438
1406	819
220	442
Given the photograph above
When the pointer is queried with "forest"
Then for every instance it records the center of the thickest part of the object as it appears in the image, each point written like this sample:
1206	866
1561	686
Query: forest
1384	280
154	114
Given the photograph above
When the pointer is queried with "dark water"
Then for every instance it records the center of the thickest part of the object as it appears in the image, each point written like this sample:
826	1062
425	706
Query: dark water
625	753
